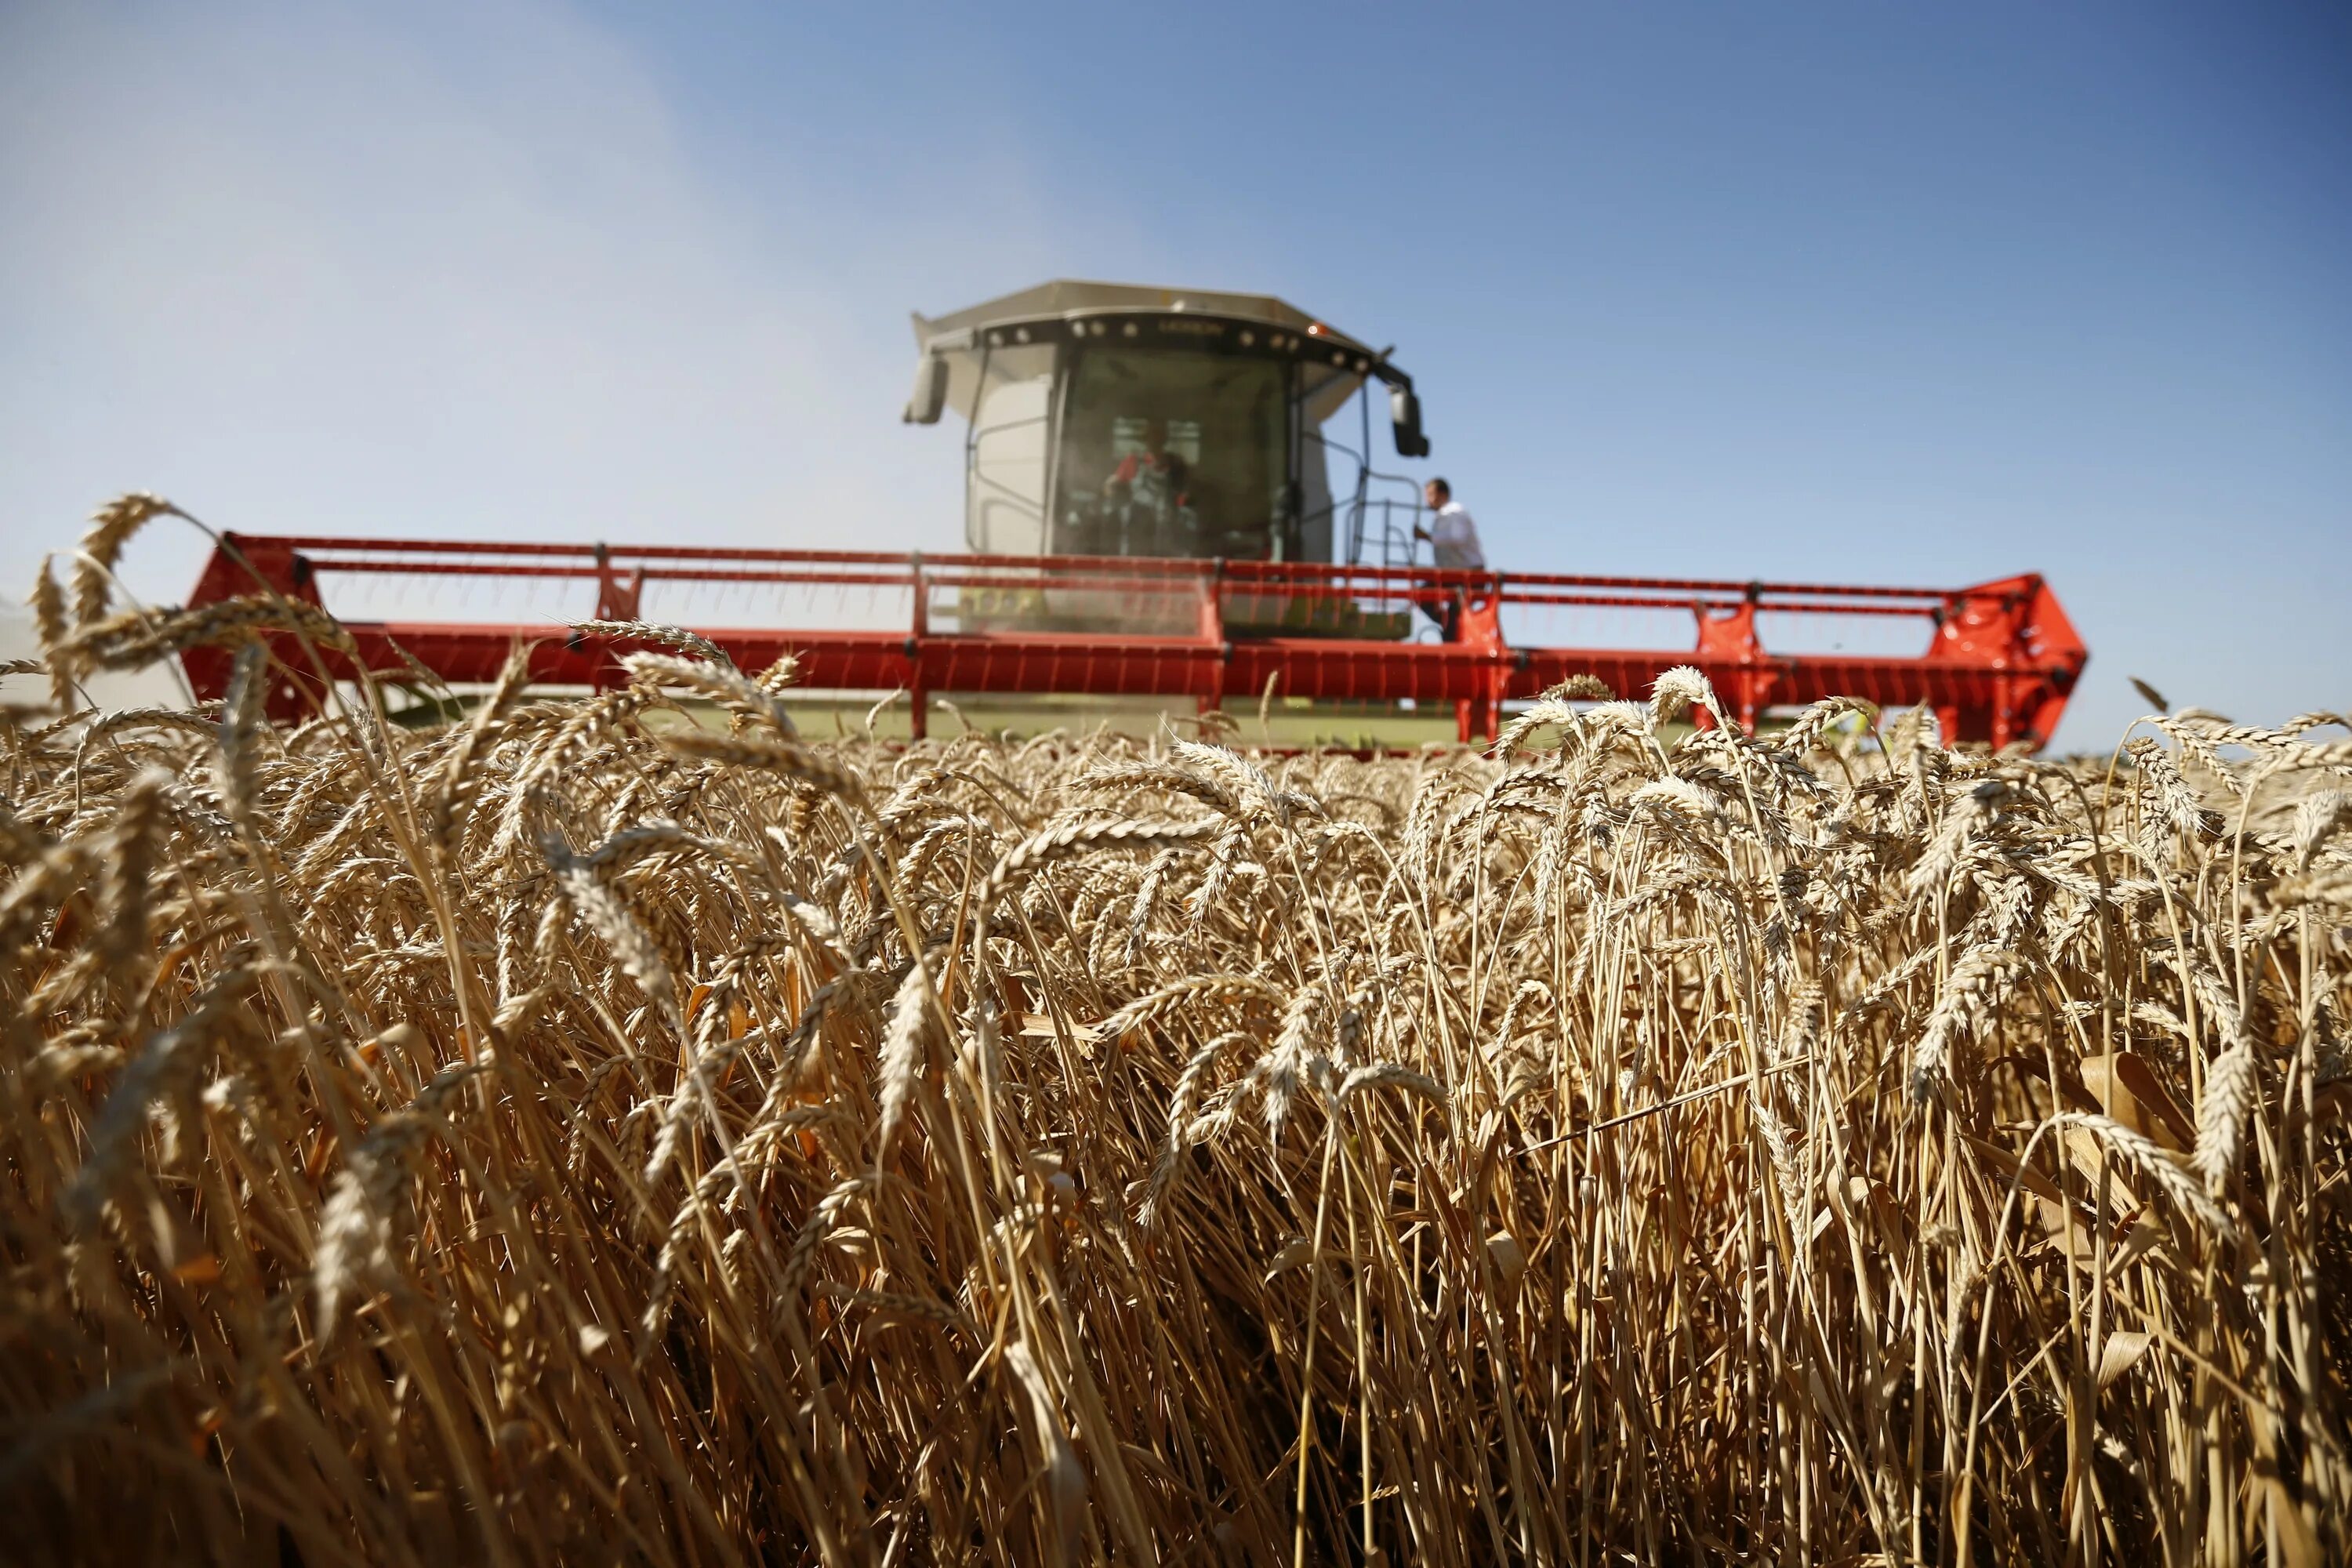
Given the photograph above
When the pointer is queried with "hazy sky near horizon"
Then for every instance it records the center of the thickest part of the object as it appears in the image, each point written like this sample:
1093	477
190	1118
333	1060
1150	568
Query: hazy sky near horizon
1842	291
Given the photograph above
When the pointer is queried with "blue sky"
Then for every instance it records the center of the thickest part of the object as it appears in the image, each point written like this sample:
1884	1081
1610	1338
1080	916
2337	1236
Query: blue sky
1845	292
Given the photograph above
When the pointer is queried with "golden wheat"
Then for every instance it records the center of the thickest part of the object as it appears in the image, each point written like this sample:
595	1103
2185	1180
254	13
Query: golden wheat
582	1132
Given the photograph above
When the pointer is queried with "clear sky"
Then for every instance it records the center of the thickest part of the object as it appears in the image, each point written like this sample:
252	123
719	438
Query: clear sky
1867	292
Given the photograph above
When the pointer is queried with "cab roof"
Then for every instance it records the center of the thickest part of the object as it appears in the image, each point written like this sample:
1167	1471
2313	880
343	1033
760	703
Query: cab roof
1066	297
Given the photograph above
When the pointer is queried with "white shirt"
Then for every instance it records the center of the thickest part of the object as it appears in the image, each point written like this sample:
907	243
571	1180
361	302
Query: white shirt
1454	540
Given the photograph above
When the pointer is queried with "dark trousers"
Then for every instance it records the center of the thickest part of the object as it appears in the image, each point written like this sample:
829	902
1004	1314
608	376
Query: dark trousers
1446	614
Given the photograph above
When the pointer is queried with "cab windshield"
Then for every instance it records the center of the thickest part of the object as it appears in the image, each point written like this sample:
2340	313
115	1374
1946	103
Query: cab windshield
1167	452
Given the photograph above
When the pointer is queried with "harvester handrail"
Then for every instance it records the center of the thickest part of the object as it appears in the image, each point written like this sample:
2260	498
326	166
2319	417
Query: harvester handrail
479	558
1512	595
1719	586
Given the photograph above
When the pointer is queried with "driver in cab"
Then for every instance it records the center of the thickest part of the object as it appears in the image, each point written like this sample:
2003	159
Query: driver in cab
1164	469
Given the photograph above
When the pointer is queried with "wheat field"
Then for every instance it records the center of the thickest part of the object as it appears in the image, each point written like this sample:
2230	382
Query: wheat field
617	1129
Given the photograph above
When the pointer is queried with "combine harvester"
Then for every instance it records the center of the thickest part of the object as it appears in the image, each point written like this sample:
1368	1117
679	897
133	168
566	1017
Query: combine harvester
1151	512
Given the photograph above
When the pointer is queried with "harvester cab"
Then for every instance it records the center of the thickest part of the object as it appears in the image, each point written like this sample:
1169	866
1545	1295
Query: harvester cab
1106	419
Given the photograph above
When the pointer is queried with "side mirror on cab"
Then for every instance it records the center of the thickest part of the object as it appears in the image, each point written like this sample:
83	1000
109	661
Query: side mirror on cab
930	393
1404	415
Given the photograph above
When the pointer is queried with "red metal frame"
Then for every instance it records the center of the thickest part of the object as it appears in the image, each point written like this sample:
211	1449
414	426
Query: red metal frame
1999	662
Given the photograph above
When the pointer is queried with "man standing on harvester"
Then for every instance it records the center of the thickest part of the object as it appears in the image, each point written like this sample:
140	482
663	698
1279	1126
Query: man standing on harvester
1453	545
